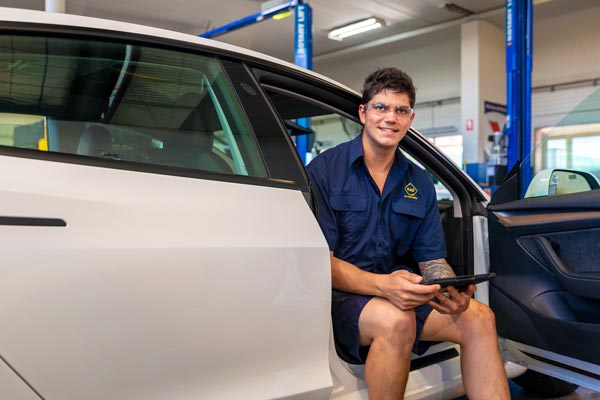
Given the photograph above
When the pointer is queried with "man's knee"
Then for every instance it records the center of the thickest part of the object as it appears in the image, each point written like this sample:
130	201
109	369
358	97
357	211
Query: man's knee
480	319
384	321
399	327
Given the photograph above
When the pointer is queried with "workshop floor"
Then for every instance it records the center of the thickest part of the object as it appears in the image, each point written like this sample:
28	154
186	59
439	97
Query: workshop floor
518	393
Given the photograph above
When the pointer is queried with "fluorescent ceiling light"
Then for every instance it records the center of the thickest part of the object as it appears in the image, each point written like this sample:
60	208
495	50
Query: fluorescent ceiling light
355	28
282	15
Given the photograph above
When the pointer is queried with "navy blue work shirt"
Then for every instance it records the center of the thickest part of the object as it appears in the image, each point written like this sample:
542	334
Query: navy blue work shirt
372	230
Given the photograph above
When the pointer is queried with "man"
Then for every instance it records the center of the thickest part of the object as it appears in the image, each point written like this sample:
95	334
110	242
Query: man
378	211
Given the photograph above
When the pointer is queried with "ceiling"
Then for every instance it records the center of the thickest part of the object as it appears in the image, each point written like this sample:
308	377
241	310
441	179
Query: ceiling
276	37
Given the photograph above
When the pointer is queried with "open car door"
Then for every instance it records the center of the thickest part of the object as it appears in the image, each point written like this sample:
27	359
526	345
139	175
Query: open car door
545	250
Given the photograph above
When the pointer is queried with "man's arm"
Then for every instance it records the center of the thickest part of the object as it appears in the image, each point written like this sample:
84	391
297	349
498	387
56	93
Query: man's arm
453	302
435	269
402	288
349	278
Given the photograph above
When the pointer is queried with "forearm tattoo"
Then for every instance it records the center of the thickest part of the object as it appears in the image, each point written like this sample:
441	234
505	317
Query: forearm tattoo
435	269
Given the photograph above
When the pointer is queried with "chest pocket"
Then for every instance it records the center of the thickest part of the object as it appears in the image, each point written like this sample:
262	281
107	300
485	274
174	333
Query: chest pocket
405	219
352	213
409	208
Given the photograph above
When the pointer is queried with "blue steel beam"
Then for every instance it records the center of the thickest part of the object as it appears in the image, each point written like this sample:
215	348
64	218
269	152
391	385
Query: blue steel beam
250	19
519	49
303	57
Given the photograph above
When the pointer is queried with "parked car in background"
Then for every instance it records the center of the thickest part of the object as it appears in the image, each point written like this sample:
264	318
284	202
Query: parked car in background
158	239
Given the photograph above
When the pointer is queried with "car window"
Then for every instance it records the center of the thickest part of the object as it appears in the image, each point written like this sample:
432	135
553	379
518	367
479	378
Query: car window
566	157
123	102
332	129
323	126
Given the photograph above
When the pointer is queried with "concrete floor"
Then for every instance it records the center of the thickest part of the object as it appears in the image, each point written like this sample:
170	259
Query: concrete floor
580	394
517	393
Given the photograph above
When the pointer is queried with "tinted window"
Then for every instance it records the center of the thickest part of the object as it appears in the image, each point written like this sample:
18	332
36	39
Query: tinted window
566	158
124	103
324	127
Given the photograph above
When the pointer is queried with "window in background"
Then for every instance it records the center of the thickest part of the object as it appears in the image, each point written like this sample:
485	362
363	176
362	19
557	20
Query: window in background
451	145
22	130
569	147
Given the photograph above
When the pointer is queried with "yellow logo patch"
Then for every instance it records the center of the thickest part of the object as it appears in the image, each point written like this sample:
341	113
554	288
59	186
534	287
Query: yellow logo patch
411	191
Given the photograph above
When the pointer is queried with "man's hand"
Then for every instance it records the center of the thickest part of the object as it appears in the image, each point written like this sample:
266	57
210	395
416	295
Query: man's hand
453	301
404	290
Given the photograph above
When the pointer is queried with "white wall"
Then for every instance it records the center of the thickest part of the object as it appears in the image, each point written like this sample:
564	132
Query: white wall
432	60
566	44
439	118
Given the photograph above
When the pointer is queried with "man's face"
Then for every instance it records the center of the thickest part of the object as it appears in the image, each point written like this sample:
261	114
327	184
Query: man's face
386	118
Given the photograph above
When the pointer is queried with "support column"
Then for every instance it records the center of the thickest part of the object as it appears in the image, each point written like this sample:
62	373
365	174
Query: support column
483	92
519	49
55	6
303	57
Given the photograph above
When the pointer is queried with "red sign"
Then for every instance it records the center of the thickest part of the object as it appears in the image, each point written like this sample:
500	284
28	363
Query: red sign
470	125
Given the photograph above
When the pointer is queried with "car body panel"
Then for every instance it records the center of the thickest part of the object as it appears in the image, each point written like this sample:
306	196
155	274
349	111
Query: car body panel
13	386
160	286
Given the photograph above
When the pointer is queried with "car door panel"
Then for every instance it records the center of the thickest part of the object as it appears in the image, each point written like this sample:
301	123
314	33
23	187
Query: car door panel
161	286
13	386
546	293
574	276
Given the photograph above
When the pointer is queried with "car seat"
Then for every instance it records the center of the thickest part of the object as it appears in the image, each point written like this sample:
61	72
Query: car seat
96	141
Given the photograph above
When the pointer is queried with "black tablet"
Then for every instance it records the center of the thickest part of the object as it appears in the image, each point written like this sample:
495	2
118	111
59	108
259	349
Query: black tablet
460	282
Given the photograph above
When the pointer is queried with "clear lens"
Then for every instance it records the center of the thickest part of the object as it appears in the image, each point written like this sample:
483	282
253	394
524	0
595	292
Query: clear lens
382	109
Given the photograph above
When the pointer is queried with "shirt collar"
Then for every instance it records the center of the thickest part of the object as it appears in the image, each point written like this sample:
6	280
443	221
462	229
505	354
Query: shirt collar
398	169
356	150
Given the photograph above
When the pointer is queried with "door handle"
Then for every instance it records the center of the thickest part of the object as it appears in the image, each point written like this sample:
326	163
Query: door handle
32	221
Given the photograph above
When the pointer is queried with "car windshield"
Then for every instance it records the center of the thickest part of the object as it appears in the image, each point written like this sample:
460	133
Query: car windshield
566	156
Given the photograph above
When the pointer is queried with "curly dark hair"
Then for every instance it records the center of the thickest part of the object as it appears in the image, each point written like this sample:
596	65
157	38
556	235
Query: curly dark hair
391	79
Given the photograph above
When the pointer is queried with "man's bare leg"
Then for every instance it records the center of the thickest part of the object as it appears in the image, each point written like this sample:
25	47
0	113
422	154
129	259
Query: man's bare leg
391	334
481	363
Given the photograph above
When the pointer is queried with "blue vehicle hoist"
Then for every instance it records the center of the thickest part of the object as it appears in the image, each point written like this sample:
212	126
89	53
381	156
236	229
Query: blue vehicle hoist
519	49
303	49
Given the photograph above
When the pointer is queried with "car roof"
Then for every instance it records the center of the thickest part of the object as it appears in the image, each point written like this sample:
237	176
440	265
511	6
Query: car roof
16	15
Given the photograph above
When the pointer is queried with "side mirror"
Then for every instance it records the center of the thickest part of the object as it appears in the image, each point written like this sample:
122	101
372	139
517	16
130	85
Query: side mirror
553	182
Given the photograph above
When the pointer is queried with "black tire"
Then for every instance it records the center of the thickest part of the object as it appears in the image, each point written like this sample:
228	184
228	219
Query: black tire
543	385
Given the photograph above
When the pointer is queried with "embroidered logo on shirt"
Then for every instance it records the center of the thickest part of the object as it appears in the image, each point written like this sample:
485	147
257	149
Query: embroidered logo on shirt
411	191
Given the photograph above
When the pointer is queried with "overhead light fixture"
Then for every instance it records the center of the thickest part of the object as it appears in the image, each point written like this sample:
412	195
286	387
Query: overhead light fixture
458	9
282	15
355	28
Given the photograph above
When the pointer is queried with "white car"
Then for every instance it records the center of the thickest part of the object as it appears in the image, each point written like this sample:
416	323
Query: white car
158	238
